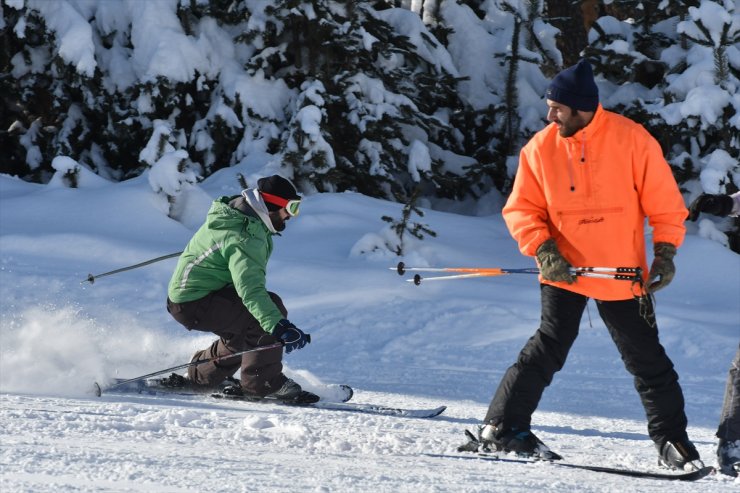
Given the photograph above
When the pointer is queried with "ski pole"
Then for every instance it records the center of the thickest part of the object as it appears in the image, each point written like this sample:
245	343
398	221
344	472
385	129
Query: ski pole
617	273
91	278
99	389
417	278
492	271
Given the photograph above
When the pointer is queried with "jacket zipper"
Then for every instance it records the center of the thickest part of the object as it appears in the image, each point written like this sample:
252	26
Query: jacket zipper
570	167
570	160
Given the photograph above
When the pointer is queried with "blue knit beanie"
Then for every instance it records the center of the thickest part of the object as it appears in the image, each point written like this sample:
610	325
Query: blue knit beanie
575	87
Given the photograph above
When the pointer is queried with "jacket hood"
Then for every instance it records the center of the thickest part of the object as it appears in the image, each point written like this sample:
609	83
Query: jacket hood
221	215
254	199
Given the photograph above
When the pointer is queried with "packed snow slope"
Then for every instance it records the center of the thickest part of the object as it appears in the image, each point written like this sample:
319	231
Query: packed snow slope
444	343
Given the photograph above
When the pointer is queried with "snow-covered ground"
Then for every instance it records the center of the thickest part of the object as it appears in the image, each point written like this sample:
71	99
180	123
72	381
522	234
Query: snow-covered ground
445	343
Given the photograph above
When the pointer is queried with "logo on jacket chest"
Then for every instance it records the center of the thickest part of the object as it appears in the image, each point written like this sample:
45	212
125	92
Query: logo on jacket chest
591	220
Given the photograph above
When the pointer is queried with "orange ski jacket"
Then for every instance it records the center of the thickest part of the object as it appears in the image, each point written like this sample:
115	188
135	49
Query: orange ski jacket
591	193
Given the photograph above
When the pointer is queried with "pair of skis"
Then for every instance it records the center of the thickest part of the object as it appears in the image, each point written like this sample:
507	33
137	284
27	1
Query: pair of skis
177	384
475	448
338	401
618	273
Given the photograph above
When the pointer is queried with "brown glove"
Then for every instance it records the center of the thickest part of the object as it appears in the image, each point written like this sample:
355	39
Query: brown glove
553	265
662	267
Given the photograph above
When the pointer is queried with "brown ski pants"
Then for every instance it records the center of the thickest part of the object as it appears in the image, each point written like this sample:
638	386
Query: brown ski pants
223	313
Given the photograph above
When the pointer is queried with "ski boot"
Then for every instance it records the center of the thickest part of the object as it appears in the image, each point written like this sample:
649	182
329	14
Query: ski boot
292	393
175	381
289	393
728	457
523	443
679	454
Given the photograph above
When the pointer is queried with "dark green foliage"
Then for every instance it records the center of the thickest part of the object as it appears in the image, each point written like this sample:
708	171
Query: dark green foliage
71	177
360	96
566	16
27	102
497	133
689	142
405	225
58	111
326	61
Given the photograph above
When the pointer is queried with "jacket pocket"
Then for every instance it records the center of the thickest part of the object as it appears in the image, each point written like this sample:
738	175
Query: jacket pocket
571	218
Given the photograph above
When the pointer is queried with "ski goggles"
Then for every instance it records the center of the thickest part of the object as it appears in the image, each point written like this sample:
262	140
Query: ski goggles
292	206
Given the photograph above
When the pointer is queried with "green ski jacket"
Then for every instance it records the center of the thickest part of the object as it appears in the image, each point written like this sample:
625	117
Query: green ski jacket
229	248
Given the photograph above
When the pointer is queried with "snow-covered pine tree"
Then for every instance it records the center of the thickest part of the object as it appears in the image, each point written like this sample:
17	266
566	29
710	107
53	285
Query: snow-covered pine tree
523	49
365	93
567	17
680	84
381	97
28	105
625	46
405	226
306	149
169	169
703	112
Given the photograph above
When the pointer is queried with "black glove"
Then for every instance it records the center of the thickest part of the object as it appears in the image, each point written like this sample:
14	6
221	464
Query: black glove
718	205
291	336
662	267
553	265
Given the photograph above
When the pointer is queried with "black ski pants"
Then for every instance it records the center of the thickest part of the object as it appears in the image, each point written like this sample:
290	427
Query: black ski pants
656	381
223	313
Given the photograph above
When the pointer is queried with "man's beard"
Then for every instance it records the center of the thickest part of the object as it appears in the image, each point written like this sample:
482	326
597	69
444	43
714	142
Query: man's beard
572	126
277	222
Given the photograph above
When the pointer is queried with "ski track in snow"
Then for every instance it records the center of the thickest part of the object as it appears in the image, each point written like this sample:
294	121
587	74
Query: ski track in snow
130	442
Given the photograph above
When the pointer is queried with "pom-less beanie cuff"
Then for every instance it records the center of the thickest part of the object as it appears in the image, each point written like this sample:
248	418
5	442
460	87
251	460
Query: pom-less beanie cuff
574	100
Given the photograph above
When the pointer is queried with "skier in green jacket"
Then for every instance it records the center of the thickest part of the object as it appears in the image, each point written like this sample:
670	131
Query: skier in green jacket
219	286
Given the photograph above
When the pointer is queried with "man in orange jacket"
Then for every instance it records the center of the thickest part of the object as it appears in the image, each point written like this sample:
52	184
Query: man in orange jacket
584	186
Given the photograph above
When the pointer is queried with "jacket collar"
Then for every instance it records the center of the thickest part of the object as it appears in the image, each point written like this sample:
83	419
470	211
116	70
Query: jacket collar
253	200
593	126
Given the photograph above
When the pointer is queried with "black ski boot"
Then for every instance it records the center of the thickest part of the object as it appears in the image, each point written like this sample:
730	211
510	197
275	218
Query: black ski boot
289	393
679	454
728	457
292	393
522	443
234	390
175	381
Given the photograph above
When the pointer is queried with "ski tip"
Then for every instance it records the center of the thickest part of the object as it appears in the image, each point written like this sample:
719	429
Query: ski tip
97	389
349	392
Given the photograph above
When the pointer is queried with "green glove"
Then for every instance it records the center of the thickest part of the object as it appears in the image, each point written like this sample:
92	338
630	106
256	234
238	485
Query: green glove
662	267
553	265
